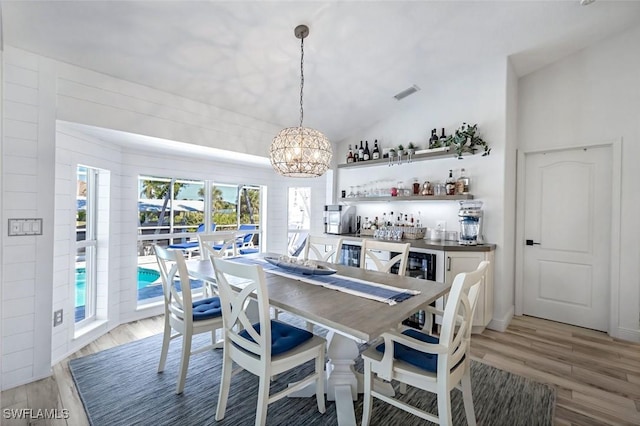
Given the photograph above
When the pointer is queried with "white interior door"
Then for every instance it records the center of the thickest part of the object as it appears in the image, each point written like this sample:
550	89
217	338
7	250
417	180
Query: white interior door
567	229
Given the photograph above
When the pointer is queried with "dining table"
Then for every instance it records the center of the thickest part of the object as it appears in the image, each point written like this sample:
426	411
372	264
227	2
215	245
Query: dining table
350	319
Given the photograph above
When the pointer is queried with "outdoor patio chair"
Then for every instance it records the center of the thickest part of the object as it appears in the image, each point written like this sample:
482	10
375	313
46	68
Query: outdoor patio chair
191	246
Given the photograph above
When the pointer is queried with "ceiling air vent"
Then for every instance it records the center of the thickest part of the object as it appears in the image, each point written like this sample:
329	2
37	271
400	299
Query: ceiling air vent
406	92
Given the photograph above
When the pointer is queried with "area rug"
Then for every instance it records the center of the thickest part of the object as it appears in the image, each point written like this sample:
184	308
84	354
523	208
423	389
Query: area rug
120	386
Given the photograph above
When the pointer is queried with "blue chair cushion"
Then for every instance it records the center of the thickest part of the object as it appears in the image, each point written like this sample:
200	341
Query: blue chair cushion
207	308
183	246
248	250
284	337
411	356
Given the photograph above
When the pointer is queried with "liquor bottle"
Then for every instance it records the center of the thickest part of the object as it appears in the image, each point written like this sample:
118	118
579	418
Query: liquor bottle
450	184
462	184
356	157
367	155
443	137
361	152
376	152
433	139
350	155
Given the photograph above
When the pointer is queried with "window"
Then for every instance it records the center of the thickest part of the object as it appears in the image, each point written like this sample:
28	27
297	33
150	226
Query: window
234	205
86	244
172	210
298	218
168	205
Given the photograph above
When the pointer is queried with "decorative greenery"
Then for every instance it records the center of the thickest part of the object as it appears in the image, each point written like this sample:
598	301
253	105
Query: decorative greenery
465	139
411	146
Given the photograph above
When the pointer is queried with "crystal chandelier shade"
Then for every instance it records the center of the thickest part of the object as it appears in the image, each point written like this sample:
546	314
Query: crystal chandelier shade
300	151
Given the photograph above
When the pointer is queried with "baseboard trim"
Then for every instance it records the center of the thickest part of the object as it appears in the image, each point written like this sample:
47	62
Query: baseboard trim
501	324
626	334
27	381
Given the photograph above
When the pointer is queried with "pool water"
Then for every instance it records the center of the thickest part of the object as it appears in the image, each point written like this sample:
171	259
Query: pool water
145	277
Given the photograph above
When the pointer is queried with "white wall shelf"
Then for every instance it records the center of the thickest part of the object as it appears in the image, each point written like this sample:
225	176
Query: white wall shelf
437	153
349	200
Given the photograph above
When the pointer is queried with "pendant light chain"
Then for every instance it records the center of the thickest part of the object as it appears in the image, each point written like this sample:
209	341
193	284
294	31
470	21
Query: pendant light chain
300	152
301	77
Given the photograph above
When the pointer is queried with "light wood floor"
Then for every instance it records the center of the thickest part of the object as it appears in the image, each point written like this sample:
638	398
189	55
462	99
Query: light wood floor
597	377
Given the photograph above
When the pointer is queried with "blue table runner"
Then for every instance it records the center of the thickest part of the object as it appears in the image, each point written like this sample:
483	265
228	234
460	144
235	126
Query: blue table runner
380	292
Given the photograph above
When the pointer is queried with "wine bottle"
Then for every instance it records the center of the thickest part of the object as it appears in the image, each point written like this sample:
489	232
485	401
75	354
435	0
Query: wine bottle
376	152
434	139
443	137
361	152
462	184
450	184
350	155
367	154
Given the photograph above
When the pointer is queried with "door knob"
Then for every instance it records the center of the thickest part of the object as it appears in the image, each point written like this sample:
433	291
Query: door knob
531	243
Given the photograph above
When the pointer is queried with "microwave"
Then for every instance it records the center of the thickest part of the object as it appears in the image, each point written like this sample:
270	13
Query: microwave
339	219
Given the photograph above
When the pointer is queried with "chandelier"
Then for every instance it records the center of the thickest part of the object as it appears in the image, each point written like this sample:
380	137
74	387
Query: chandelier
300	151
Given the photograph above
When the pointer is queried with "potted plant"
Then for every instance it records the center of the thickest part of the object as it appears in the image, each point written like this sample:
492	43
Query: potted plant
411	150
400	151
392	156
466	139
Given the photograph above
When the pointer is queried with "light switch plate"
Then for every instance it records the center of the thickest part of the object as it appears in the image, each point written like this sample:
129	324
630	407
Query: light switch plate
57	318
25	226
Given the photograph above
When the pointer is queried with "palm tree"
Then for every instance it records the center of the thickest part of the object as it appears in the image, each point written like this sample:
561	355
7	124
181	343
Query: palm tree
250	205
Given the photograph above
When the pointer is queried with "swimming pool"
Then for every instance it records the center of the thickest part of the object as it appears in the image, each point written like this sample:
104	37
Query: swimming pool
145	277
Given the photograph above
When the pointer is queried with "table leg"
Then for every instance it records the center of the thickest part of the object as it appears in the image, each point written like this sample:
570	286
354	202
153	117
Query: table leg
343	382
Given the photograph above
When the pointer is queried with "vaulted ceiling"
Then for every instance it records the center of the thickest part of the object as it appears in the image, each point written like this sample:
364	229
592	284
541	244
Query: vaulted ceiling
243	56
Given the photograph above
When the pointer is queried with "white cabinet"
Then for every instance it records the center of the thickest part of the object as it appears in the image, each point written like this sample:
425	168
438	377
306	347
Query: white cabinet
466	261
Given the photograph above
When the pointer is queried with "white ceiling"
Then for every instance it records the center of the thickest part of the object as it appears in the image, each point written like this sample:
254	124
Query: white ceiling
243	56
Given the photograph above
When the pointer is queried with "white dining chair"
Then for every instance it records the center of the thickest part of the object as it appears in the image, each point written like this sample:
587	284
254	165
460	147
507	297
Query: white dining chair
323	248
326	249
431	312
181	314
265	348
217	244
433	364
373	253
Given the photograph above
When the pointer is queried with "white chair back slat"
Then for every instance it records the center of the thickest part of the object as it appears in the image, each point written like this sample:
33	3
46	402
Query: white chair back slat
225	242
234	305
173	271
371	251
315	248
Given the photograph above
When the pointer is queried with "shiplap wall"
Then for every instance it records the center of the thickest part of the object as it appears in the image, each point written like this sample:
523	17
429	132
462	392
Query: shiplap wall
27	192
73	149
37	92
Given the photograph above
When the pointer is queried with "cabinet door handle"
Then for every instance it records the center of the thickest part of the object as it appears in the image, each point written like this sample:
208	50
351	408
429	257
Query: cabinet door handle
448	263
